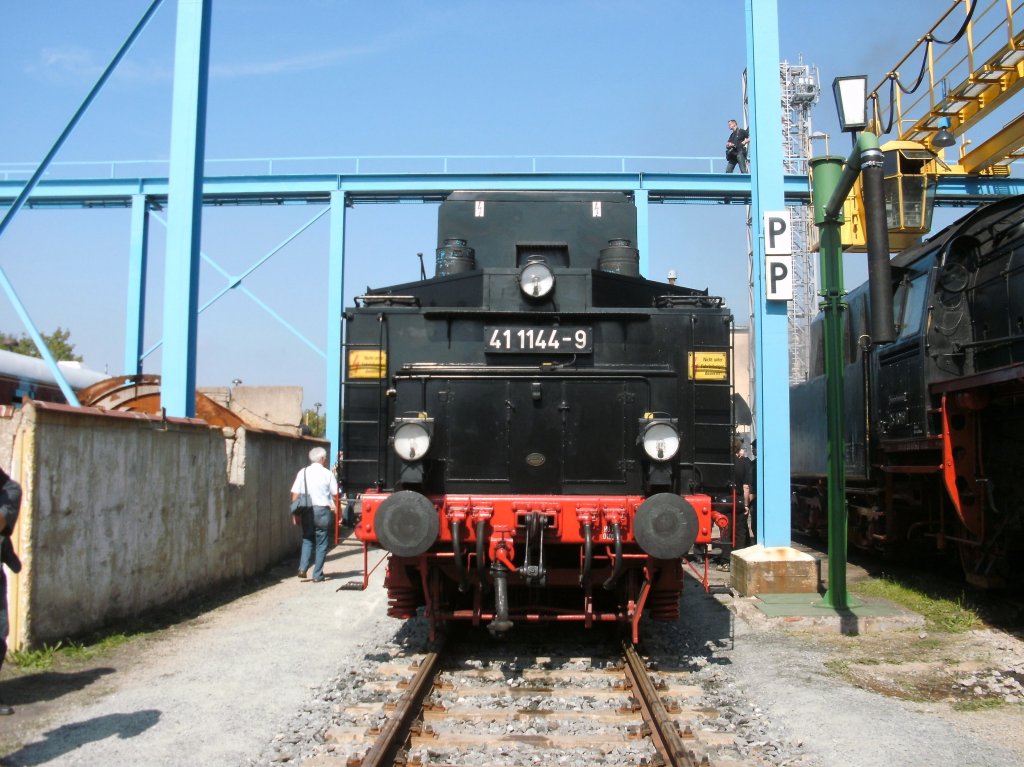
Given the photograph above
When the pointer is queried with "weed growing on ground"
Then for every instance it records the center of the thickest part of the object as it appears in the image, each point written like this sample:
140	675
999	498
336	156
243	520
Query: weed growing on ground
95	644
40	659
978	704
941	612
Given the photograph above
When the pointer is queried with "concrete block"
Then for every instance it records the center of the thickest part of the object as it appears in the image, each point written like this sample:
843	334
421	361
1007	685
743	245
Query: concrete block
126	512
781	569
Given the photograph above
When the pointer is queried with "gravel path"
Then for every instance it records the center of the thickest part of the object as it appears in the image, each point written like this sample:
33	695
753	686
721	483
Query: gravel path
214	690
258	679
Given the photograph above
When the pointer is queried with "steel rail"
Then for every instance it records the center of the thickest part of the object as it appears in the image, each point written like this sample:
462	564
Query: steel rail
396	729
663	729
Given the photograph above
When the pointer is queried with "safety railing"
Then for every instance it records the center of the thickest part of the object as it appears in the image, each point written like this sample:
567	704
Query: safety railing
379	164
949	73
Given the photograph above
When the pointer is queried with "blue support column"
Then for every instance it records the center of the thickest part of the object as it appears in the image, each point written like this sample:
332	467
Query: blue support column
135	317
643	230
771	331
185	202
335	307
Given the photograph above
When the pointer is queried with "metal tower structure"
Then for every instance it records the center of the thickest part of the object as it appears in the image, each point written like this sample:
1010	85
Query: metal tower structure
800	90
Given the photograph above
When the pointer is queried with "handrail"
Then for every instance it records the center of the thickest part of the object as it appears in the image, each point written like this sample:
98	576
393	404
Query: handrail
946	82
375	164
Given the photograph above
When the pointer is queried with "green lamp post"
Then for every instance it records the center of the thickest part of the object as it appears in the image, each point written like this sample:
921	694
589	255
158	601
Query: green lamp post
831	182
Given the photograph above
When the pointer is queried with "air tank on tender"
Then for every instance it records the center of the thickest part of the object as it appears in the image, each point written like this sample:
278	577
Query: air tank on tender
454	257
621	258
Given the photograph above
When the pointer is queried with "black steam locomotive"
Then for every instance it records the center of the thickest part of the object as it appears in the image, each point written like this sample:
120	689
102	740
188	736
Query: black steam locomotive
537	430
934	419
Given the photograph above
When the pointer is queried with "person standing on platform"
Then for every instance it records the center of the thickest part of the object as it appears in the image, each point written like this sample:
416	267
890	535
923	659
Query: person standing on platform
736	148
742	482
316	522
10	504
348	502
752	474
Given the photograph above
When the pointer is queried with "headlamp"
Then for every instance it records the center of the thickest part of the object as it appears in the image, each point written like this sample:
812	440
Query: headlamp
660	438
536	279
412	437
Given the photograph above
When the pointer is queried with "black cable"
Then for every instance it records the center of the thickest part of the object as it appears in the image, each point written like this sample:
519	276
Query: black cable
921	72
963	27
895	79
892	105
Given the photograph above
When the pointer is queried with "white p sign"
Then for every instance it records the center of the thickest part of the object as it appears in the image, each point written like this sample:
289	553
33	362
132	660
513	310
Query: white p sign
778	233
778	278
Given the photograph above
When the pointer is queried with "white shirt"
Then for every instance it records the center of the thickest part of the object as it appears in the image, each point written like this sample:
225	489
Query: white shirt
317	480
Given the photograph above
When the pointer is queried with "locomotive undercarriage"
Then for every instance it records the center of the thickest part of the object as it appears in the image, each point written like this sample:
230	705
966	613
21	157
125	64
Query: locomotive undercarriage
499	560
449	594
903	509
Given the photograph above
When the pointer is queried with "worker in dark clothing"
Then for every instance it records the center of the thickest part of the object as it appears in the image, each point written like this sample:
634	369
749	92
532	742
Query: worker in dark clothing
736	147
10	503
752	474
742	481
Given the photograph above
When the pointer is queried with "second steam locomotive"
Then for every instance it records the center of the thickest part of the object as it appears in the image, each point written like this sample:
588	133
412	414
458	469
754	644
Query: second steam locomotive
537	430
933	419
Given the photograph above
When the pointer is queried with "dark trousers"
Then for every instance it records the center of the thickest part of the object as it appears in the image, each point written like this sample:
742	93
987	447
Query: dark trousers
4	626
739	158
738	534
316	523
348	511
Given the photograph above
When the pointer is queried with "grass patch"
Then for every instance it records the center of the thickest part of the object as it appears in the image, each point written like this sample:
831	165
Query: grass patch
40	659
979	704
953	614
837	666
89	646
43	658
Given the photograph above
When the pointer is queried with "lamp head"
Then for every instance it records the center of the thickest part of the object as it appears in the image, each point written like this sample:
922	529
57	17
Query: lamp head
851	94
943	138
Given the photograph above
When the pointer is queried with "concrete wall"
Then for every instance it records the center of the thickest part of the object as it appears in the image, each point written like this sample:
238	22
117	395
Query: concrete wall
276	408
122	513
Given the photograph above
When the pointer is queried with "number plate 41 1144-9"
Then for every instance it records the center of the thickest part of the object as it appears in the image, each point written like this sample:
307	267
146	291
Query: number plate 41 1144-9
563	339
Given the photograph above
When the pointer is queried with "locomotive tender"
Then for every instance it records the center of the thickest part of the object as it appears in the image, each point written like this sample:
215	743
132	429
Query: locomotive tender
933	419
537	430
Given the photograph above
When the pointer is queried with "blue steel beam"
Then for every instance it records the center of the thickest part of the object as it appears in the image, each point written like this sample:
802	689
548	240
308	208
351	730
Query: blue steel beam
26	191
250	190
335	307
771	327
643	229
135	315
317	189
37	339
185	194
233	281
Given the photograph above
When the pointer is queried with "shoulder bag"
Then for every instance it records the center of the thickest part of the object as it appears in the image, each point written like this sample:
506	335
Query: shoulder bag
304	501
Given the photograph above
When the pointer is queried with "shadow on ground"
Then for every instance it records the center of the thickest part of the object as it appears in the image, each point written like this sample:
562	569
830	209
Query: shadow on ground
67	738
47	685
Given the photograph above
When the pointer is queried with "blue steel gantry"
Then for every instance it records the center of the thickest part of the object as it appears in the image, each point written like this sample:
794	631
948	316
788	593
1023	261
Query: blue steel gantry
185	191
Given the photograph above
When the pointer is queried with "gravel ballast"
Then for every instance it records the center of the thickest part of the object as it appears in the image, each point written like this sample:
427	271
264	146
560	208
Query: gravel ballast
260	680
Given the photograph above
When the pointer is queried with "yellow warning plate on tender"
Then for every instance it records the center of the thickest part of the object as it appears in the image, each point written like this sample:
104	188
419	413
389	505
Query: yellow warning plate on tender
367	363
708	366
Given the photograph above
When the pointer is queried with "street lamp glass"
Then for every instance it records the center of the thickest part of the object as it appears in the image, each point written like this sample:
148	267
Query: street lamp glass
851	94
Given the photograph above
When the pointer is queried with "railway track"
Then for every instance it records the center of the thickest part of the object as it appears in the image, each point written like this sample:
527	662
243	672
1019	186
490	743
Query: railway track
475	706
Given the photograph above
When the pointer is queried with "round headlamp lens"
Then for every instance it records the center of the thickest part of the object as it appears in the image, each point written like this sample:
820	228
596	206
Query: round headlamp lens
412	441
661	441
536	280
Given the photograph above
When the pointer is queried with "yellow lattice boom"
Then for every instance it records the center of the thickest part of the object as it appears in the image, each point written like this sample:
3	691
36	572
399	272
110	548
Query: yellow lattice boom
964	69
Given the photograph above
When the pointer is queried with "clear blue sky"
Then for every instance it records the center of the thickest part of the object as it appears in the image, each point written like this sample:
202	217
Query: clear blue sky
323	77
